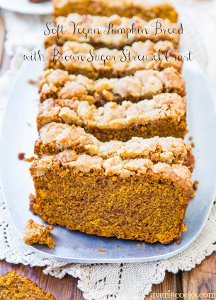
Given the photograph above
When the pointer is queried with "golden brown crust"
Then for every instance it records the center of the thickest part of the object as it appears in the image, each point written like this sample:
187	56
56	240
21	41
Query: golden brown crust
113	31
82	58
38	234
123	121
144	9
56	137
14	286
143	84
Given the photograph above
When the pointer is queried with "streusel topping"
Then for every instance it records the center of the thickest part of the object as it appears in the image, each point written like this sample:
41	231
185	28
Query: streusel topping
62	136
111	166
113	115
143	84
83	58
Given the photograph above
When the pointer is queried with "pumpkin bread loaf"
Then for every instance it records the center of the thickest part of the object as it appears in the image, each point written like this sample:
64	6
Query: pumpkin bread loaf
110	158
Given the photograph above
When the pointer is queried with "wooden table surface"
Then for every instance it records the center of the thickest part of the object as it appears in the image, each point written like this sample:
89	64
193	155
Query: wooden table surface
202	279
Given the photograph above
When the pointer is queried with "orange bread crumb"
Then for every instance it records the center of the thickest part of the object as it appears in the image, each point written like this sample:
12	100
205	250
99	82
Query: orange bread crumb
38	234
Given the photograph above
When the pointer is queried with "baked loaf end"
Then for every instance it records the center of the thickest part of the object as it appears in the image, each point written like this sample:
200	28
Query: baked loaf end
126	198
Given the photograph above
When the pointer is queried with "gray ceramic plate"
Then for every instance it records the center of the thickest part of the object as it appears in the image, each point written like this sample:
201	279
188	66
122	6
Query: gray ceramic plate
19	133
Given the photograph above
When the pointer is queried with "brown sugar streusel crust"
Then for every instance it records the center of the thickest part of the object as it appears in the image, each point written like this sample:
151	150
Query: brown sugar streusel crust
127	8
113	31
83	58
130	199
38	234
163	115
13	286
56	137
144	84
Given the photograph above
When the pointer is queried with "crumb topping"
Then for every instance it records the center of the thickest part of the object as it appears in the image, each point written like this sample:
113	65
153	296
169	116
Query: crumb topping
113	115
115	64
145	83
112	166
63	136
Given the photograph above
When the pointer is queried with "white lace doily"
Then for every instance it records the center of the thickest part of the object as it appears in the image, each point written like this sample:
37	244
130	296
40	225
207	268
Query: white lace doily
108	281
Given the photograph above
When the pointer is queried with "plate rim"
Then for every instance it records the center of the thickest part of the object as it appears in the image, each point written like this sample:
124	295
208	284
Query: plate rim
108	260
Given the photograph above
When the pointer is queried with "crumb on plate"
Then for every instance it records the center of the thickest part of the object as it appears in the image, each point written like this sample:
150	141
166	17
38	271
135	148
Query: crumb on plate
195	185
38	234
30	159
21	156
178	242
32	81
